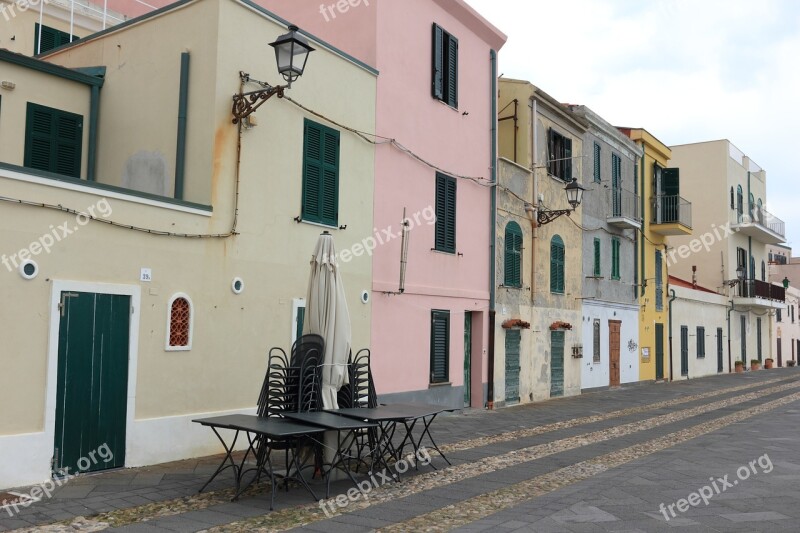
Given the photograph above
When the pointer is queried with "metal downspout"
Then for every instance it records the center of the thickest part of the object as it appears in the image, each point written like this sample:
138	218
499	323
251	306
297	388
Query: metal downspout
671	299
493	232
180	150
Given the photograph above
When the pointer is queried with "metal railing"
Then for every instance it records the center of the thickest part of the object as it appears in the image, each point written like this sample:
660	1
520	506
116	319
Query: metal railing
624	204
668	209
754	288
760	217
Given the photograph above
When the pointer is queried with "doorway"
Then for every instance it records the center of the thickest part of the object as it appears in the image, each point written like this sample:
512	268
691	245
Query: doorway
614	327
556	364
659	351
467	358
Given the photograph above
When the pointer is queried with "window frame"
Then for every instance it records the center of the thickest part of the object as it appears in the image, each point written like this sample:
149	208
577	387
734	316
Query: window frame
559	155
444	65
188	346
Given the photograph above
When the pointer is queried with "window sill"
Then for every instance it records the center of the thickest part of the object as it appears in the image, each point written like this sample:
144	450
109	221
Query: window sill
596	362
442	384
518	287
445	252
300	220
446	104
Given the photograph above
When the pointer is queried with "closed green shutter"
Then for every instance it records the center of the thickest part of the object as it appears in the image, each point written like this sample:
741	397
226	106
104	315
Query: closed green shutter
659	283
440	346
438	63
51	38
684	351
557	265
445	214
452	71
567	160
615	258
759	351
556	363
512	345
701	341
53	140
513	255
597	162
597	269
320	174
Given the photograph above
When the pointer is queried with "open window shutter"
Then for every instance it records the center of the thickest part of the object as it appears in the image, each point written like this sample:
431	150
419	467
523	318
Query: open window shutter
330	177
567	160
551	151
68	141
670	181
440	346
450	237
438	62
312	173
441	211
452	71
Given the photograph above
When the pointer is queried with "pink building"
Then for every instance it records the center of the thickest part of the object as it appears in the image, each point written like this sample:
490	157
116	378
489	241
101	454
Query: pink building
436	98
436	61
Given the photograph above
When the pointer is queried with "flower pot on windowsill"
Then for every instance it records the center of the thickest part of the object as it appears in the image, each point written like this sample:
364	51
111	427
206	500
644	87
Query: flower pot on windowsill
755	364
768	363
559	324
516	323
739	366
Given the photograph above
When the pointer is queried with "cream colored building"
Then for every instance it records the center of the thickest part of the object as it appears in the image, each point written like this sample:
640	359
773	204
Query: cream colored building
191	283
540	153
730	238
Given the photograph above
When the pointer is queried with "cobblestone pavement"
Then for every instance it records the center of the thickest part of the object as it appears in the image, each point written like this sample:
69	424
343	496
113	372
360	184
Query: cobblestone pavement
712	454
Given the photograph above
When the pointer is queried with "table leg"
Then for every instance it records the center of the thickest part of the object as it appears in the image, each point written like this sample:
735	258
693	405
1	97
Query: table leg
427	431
227	459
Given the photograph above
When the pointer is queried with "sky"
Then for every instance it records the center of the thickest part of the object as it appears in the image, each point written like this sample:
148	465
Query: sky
685	70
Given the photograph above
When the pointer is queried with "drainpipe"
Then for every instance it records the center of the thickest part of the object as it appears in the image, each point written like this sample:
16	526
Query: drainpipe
180	150
535	200
644	221
730	362
493	232
671	299
94	111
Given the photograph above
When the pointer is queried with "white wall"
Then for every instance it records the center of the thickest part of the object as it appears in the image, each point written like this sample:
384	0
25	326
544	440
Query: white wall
597	374
693	308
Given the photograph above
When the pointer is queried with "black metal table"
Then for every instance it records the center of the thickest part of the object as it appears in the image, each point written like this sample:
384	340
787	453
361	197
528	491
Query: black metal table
338	424
273	428
388	416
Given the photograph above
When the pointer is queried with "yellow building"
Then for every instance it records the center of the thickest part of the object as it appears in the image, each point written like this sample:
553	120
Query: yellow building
664	213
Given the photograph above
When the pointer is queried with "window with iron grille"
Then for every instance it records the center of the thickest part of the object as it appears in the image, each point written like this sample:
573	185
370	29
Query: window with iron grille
596	340
445	66
179	326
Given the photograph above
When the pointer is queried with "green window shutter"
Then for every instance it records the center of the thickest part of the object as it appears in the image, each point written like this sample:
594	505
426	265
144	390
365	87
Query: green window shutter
440	346
51	38
567	160
445	238
438	63
616	171
597	269
557	265
53	140
615	243
513	255
452	71
597	176
320	201
701	341
659	283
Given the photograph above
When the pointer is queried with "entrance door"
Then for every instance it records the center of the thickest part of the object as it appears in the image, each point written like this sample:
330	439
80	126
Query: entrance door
614	327
513	337
92	383
780	352
556	363
719	350
659	351
684	351
467	357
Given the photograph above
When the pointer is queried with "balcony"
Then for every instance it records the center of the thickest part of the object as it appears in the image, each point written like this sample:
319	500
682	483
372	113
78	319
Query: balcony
672	215
624	209
756	294
760	224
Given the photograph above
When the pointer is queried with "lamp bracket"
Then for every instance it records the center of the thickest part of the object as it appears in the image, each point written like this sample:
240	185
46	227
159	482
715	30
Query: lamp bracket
245	104
545	216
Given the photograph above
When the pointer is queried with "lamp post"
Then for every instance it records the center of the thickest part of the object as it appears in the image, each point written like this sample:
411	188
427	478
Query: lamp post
291	55
740	273
574	193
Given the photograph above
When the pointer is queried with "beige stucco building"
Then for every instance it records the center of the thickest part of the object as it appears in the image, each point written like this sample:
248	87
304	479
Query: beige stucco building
540	153
192	275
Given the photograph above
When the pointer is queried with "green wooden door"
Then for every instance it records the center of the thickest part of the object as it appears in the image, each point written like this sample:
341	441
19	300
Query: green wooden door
512	365
719	350
684	351
467	357
659	351
92	386
556	363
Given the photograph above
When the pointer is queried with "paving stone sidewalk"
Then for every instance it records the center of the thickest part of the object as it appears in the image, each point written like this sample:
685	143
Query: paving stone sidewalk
623	497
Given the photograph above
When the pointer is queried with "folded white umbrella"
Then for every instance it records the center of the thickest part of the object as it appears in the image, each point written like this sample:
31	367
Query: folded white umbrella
327	315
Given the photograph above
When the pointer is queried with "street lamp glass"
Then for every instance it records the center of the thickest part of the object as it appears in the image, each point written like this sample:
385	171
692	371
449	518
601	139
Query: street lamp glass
574	193
740	272
291	54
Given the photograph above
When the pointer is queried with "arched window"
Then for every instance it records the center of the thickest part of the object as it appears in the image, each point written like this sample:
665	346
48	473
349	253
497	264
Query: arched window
557	265
733	202
763	271
739	201
179	323
513	255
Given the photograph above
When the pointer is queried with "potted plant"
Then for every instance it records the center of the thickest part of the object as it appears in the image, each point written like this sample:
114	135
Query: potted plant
739	365
755	364
768	362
